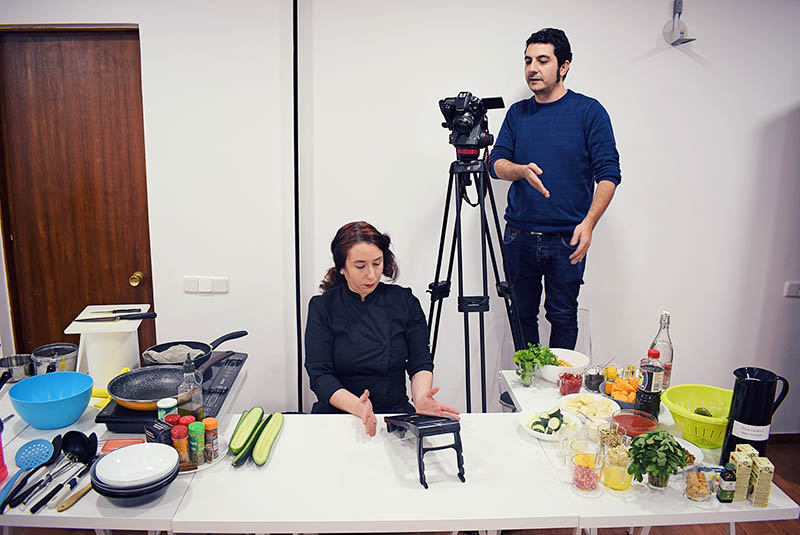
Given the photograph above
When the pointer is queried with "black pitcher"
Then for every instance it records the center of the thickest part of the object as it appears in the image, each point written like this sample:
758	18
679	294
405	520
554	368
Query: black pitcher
752	408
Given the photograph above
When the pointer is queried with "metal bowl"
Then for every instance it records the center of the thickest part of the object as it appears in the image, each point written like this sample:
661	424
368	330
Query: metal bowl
20	366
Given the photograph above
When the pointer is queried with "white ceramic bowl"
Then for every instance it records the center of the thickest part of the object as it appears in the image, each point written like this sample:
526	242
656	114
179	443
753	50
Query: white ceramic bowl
578	360
527	416
135	465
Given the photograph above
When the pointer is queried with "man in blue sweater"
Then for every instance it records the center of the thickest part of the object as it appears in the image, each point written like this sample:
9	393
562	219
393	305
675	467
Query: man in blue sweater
558	149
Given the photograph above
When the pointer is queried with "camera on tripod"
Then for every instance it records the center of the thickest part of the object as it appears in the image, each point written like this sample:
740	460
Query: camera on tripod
465	117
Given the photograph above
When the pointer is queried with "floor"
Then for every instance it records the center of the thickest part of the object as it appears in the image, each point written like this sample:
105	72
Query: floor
785	455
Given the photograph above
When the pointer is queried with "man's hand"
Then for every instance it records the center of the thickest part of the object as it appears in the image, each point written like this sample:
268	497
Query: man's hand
428	405
582	236
367	415
531	173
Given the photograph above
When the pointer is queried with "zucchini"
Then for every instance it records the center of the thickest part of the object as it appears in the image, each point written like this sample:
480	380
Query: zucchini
544	415
538	427
554	423
245	428
245	452
239	423
554	412
267	438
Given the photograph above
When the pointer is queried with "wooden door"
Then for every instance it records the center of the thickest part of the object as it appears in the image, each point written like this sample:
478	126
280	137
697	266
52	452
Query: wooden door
74	195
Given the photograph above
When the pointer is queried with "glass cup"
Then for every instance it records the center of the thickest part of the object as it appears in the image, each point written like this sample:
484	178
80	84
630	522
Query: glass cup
586	468
593	379
615	469
698	484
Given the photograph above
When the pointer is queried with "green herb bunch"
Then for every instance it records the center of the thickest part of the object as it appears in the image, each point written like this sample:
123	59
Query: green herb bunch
656	453
536	355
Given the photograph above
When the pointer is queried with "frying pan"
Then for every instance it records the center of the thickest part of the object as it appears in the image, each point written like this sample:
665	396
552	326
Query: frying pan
140	389
205	348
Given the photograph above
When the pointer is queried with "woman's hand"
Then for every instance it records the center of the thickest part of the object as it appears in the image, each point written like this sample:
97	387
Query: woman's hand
367	415
427	405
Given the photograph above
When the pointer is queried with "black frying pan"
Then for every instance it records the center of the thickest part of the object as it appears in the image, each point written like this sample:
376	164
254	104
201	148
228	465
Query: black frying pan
205	348
140	389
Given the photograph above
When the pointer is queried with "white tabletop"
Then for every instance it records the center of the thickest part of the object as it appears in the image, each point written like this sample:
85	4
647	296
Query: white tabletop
324	474
638	505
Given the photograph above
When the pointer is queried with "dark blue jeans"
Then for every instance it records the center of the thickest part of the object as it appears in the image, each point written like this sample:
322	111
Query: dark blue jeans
531	257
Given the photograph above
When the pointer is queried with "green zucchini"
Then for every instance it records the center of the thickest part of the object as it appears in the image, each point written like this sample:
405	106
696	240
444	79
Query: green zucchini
538	427
267	438
245	452
555	411
554	423
245	428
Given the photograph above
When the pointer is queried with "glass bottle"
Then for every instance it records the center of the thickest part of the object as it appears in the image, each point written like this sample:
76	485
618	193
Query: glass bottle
190	392
727	484
651	377
663	343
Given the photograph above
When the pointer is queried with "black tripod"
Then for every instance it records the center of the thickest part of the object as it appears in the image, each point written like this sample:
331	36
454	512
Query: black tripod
462	174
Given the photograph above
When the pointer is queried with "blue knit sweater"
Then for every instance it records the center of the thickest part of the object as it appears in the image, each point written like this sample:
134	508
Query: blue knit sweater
571	140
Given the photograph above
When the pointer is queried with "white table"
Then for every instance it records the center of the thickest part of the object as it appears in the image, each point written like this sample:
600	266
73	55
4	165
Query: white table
94	511
325	475
640	506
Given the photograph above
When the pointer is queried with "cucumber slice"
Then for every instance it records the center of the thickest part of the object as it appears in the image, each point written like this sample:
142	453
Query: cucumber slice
554	424
544	415
549	431
555	411
245	452
245	429
538	427
267	438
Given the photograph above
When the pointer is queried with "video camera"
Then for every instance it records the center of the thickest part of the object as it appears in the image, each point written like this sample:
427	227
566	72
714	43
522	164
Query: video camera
465	117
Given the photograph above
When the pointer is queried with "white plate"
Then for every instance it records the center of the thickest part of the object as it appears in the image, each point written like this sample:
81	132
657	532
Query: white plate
137	464
693	449
609	404
526	416
223	452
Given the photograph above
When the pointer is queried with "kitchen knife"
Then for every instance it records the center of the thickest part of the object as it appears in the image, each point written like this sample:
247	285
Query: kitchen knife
116	311
142	316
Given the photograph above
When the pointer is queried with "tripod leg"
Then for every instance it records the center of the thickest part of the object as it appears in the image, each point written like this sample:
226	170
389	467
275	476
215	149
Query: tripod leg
433	320
459	193
480	178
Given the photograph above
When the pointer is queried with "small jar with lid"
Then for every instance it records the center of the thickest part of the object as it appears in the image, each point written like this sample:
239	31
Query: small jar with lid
180	441
186	420
197	443
727	484
166	406
212	439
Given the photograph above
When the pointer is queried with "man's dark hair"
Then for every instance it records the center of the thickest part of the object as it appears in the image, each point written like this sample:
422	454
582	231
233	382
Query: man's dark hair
555	37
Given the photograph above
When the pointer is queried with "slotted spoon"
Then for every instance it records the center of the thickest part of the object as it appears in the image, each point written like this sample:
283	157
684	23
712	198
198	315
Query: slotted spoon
31	455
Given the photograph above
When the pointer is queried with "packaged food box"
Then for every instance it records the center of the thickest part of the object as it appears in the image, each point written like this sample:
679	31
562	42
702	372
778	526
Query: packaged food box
748	449
760	482
743	466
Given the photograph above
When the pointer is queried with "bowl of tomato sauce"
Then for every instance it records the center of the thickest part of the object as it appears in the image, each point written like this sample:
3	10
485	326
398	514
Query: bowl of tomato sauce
635	422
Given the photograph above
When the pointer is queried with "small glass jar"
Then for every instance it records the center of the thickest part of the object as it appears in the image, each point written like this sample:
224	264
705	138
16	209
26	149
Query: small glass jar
658	481
698	484
586	469
569	383
593	379
526	376
180	441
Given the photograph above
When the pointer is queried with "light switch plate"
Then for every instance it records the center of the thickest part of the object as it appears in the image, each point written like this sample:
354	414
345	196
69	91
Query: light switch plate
190	285
220	285
204	285
791	289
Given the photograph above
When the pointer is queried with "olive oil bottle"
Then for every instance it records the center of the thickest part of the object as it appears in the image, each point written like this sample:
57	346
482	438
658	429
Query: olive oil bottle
190	392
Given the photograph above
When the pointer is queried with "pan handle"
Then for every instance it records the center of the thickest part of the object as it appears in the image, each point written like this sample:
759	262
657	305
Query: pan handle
5	377
226	337
213	360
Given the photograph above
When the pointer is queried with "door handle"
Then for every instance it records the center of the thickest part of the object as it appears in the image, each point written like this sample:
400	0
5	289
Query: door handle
136	279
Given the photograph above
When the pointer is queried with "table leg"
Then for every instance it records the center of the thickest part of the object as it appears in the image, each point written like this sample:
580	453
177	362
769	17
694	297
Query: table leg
645	530
732	528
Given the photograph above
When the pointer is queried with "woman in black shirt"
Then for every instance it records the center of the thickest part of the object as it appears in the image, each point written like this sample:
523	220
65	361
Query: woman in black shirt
363	335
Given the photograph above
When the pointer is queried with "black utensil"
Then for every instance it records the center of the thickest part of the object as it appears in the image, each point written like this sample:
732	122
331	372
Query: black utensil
74	445
24	481
49	496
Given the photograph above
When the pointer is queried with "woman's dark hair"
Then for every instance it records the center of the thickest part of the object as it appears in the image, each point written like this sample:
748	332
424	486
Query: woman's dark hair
557	38
349	235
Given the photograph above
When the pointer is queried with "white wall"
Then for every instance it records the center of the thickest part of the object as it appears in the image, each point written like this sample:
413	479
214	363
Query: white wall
216	87
704	224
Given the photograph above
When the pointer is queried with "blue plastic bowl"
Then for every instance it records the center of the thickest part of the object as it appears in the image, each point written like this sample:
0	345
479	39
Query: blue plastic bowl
52	400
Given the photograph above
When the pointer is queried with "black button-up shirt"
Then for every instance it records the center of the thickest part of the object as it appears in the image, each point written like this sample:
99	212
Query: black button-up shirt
366	345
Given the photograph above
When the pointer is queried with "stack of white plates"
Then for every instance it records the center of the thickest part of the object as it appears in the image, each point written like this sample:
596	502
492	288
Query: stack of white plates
136	471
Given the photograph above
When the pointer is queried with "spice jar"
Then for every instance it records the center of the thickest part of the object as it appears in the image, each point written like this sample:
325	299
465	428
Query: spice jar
166	406
186	420
172	419
180	441
212	439
197	443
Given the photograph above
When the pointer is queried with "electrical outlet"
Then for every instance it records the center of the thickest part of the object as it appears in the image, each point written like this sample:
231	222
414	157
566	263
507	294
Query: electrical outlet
791	289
